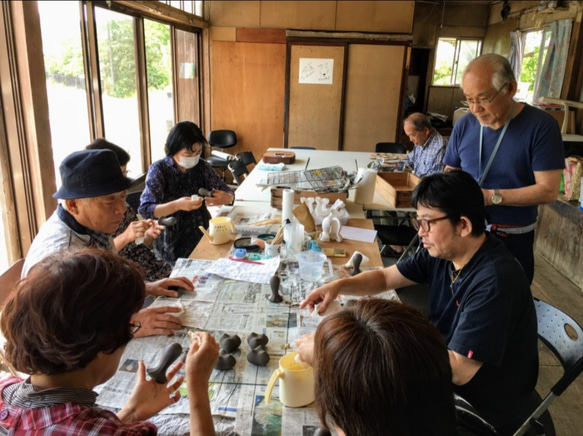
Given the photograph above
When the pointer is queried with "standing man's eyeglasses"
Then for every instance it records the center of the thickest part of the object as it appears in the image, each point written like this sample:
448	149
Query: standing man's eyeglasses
482	101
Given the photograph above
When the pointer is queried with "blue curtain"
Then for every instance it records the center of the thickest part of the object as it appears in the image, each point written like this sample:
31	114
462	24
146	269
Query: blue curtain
516	53
553	71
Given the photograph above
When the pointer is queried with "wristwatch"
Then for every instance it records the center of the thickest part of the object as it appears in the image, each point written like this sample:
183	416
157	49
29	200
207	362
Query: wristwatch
497	197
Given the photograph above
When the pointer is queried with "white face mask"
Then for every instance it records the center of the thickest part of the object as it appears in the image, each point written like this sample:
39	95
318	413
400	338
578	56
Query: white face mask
188	162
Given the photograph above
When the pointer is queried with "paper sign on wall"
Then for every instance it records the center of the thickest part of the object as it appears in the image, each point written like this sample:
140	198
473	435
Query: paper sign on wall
316	71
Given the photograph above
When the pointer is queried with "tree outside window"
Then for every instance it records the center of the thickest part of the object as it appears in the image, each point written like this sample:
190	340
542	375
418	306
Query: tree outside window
451	58
536	45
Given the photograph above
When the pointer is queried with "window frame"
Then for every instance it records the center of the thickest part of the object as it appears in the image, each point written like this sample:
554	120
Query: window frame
455	61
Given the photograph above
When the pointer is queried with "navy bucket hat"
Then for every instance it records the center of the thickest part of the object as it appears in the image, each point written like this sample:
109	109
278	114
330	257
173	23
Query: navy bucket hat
91	173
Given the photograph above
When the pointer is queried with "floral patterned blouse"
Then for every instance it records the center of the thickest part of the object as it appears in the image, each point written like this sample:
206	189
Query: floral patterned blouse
166	182
154	268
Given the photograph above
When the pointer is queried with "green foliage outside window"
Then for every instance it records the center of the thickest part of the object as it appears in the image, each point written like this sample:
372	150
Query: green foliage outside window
116	50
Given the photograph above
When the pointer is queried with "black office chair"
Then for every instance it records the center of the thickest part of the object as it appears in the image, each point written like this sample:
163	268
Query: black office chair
238	170
563	336
390	147
247	158
133	199
221	139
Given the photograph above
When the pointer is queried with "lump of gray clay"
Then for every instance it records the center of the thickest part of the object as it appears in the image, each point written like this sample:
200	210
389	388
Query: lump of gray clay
356	264
274	282
258	356
255	339
230	343
225	361
169	355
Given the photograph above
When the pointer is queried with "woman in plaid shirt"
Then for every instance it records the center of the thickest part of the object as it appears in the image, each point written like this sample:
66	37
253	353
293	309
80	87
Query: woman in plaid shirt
67	324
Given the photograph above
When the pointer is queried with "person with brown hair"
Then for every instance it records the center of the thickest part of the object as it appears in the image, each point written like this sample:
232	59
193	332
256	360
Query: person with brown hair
67	325
380	367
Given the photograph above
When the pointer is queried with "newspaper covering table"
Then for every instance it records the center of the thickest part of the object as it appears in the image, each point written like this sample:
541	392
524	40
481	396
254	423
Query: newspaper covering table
228	306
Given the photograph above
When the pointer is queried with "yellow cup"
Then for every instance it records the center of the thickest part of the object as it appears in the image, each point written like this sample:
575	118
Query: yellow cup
296	382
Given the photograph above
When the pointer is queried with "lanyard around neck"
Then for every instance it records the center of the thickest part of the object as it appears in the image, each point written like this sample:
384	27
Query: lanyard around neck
496	147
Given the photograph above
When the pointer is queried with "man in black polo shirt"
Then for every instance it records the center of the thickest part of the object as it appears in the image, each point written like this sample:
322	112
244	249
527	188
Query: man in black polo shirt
480	298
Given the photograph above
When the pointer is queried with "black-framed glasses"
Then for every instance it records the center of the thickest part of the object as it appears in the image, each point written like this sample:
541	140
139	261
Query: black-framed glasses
134	327
425	224
482	101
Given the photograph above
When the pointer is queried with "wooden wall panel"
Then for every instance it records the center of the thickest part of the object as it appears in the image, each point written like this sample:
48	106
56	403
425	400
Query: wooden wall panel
307	15
314	109
248	85
373	92
234	13
375	16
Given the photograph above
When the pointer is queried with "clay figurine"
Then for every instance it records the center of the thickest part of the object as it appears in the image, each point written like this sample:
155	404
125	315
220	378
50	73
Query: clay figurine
255	339
274	281
258	356
356	264
169	355
331	228
225	361
230	343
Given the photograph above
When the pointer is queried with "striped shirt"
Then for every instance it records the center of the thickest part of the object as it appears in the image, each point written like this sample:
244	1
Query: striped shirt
62	411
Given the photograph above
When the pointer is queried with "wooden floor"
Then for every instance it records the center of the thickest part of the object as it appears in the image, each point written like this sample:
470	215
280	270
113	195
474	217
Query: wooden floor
552	286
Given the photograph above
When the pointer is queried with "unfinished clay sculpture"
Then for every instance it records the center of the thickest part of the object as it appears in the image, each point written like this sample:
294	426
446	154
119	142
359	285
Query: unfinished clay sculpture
258	356
274	281
357	259
229	343
169	355
255	339
225	361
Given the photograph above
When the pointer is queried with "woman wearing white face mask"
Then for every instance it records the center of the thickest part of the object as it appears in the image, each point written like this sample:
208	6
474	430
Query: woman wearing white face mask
172	181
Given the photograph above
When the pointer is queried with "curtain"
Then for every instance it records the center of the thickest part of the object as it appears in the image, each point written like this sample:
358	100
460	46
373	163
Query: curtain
516	53
553	71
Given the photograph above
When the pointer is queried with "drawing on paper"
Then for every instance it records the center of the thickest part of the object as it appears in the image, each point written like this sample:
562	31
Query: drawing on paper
316	71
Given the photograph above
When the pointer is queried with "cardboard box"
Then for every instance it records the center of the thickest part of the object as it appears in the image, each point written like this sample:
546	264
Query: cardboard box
396	187
277	193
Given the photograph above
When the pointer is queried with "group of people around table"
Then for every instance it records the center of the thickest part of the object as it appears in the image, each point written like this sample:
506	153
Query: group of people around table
81	301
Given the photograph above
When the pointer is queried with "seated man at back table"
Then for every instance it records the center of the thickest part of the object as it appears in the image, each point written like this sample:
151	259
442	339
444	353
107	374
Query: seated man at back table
428	145
92	206
479	298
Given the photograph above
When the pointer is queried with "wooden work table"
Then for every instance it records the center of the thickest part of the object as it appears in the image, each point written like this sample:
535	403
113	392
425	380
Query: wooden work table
206	250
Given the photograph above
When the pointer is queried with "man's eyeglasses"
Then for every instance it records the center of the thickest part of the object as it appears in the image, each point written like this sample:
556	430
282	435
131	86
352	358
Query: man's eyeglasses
424	223
134	327
482	101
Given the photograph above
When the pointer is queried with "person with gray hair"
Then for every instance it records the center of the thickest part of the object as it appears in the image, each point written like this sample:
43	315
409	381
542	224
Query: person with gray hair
429	146
92	202
513	150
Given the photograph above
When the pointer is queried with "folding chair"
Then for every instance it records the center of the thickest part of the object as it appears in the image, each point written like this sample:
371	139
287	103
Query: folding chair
564	338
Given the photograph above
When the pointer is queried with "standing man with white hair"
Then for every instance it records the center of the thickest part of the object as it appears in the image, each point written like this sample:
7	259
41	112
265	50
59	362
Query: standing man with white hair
513	150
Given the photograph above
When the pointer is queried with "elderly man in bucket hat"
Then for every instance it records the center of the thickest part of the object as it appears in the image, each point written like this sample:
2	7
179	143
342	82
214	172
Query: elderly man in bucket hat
92	205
